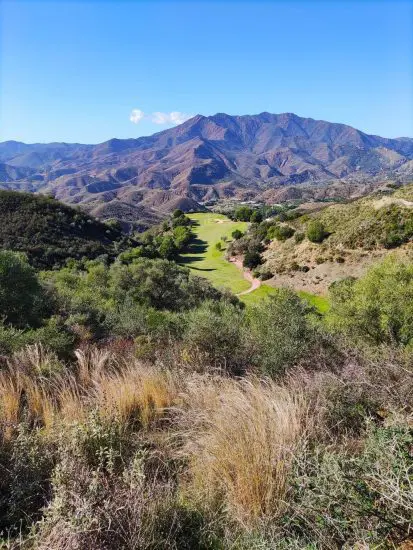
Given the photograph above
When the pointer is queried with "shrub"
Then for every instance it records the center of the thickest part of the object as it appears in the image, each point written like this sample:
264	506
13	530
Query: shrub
217	329
237	234
252	259
299	237
20	290
316	232
25	485
343	499
256	217
265	275
279	331
280	232
378	307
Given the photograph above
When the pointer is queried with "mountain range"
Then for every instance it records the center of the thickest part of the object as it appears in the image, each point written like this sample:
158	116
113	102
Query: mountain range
265	156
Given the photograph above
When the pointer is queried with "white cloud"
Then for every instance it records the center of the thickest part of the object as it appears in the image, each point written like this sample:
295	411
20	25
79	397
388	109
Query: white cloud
174	117
136	116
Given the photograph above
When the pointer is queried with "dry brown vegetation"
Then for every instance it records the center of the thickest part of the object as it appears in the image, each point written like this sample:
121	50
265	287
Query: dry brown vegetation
358	234
126	454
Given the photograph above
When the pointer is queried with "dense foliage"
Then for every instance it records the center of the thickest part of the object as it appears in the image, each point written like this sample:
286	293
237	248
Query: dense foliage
377	308
142	408
50	232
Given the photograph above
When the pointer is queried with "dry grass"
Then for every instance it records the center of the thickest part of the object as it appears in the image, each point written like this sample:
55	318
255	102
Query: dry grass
119	389
235	451
241	446
10	395
136	393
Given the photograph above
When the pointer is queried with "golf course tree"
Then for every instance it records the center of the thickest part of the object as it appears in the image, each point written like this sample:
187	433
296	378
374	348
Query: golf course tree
179	219
252	259
243	213
237	234
167	248
256	217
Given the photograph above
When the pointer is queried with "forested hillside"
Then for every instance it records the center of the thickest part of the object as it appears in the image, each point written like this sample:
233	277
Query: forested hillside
50	232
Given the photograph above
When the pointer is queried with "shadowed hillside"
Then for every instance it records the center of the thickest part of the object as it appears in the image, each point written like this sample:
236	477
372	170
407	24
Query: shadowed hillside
50	232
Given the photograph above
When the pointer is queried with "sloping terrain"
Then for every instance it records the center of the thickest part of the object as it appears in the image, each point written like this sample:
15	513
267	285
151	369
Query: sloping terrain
49	232
208	158
357	234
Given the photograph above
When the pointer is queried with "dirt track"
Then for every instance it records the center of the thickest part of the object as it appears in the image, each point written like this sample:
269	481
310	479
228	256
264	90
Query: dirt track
255	283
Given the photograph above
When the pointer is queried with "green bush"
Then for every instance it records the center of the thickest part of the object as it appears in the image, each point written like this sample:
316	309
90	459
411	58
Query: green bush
177	213
316	232
167	248
256	217
341	498
299	237
25	482
217	329
280	232
280	331
20	291
252	259
237	234
378	308
182	236
243	213
54	335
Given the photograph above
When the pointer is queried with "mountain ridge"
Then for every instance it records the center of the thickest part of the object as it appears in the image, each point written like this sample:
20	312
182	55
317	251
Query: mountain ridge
207	158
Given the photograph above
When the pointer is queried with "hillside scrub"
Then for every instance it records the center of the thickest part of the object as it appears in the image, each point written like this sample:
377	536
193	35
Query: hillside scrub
143	408
352	233
112	452
377	308
50	232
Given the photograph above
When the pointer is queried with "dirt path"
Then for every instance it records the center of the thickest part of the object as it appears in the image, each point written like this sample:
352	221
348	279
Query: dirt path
255	283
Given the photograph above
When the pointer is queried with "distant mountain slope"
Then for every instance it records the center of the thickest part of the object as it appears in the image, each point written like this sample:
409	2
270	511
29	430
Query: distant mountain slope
205	158
50	232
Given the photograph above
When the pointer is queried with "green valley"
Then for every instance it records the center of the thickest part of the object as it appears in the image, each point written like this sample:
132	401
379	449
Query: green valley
204	259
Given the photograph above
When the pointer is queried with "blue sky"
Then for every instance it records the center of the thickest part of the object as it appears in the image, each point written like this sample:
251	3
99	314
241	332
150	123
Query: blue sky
79	71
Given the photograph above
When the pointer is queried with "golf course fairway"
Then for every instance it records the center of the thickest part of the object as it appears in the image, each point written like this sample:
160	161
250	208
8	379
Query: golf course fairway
205	260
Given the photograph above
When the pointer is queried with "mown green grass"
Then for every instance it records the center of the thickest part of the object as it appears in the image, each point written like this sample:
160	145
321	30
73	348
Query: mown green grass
321	303
262	292
205	260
